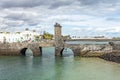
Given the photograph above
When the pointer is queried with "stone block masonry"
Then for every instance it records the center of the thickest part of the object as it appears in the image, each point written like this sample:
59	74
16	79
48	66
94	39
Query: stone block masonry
15	48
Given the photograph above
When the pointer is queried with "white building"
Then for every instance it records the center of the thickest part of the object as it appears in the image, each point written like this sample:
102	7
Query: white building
18	36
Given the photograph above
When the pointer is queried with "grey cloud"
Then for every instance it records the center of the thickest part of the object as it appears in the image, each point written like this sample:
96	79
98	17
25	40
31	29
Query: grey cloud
23	3
17	16
13	10
51	3
96	2
60	3
4	28
11	23
33	22
28	18
88	2
11	20
34	3
113	19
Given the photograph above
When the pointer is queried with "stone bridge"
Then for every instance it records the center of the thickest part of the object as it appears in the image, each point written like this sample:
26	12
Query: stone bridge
60	45
20	48
78	49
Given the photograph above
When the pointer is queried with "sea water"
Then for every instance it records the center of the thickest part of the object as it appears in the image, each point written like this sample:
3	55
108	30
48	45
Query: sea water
49	67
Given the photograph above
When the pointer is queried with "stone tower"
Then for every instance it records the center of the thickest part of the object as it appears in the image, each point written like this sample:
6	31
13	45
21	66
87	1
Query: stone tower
57	31
59	44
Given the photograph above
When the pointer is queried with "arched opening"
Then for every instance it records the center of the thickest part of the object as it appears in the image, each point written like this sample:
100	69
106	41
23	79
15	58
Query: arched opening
26	52
22	51
61	52
67	52
40	48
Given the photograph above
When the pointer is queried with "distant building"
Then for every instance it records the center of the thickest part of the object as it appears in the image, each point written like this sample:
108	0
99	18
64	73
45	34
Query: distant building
66	37
116	38
26	35
75	37
100	37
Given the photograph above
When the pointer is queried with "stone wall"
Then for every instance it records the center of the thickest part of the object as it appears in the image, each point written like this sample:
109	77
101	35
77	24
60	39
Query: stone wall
89	50
15	48
96	50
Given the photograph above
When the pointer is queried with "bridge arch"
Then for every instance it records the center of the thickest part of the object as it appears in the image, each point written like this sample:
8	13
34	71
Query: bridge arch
22	51
26	52
67	52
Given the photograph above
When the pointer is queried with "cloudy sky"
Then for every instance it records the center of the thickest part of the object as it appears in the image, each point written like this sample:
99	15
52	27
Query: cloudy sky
78	17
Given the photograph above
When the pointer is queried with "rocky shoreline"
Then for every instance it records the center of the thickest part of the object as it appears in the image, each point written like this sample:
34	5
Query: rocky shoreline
114	57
